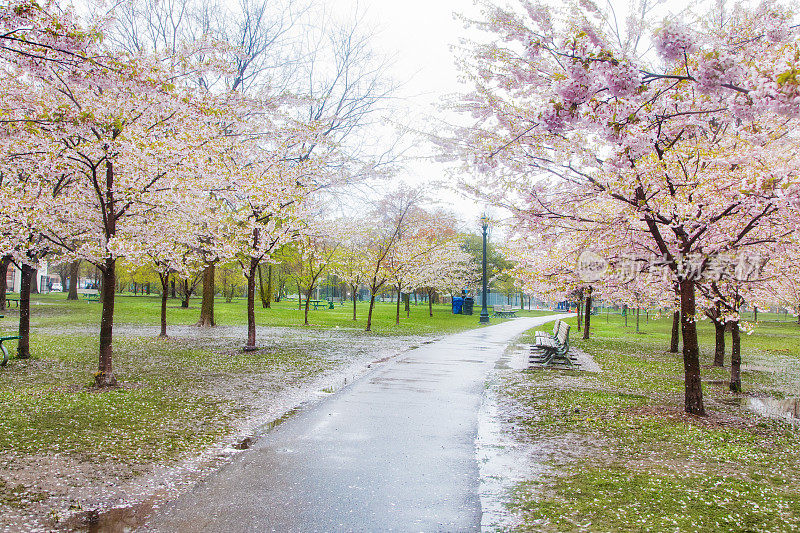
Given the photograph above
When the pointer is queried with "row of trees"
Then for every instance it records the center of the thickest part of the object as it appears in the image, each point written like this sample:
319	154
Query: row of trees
664	147
177	135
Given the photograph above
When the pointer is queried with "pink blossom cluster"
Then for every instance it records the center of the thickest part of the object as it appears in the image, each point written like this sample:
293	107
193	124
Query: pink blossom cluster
673	41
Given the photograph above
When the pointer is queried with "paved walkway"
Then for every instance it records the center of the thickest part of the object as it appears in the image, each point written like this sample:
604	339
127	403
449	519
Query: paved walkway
395	451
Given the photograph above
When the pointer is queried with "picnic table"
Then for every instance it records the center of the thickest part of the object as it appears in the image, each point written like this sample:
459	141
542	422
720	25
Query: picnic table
325	304
504	311
91	296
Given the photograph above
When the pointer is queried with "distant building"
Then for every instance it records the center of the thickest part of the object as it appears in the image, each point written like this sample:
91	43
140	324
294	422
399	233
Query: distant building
43	278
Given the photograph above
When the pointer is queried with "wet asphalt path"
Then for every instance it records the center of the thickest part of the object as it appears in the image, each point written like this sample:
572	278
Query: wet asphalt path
394	451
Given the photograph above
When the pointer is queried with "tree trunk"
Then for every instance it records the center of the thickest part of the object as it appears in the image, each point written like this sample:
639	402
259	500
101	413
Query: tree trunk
736	359
587	316
164	296
74	269
578	309
185	299
207	304
308	303
172	284
397	315
719	344
262	291
268	305
755	314
354	301
35	282
408	305
693	397
674	343
4	262
251	306
24	346
430	303
637	320
105	371
625	314
369	313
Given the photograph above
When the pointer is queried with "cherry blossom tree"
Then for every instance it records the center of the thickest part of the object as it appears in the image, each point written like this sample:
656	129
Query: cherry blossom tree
680	145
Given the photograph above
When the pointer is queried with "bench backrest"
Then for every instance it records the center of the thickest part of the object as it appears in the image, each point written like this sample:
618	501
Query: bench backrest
563	336
556	326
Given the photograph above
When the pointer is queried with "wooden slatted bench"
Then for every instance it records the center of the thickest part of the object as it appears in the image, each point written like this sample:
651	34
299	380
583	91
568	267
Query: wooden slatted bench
548	350
4	349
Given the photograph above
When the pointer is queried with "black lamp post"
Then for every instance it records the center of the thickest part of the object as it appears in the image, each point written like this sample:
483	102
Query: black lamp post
484	312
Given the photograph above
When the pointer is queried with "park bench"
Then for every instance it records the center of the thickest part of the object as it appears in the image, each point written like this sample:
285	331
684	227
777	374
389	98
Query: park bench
91	297
548	349
15	300
4	349
553	335
504	311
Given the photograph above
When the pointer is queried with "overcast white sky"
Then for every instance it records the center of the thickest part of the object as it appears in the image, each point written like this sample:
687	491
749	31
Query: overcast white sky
417	36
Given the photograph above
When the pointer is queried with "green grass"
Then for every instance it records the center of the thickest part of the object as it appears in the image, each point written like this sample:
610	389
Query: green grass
176	396
54	310
637	462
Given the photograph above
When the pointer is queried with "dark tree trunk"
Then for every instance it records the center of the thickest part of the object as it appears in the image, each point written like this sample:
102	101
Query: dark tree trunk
369	313
261	289
397	315
24	346
430	303
587	316
736	359
207	304
74	269
719	342
578	309
35	282
625	314
408	305
268	304
755	314
251	305
308	304
691	351
674	343
354	301
164	296
105	371
185	299
172	284
637	320
4	262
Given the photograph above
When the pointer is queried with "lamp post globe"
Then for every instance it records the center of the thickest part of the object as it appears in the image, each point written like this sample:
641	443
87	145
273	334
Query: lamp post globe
484	319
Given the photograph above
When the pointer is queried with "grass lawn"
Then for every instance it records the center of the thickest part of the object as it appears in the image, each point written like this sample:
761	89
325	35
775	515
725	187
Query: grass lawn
627	458
176	396
54	310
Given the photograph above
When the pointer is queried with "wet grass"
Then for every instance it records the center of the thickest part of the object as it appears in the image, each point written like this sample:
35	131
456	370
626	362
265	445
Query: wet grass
629	459
53	310
175	396
167	404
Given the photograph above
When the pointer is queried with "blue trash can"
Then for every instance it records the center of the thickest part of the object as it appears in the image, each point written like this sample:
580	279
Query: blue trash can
458	302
